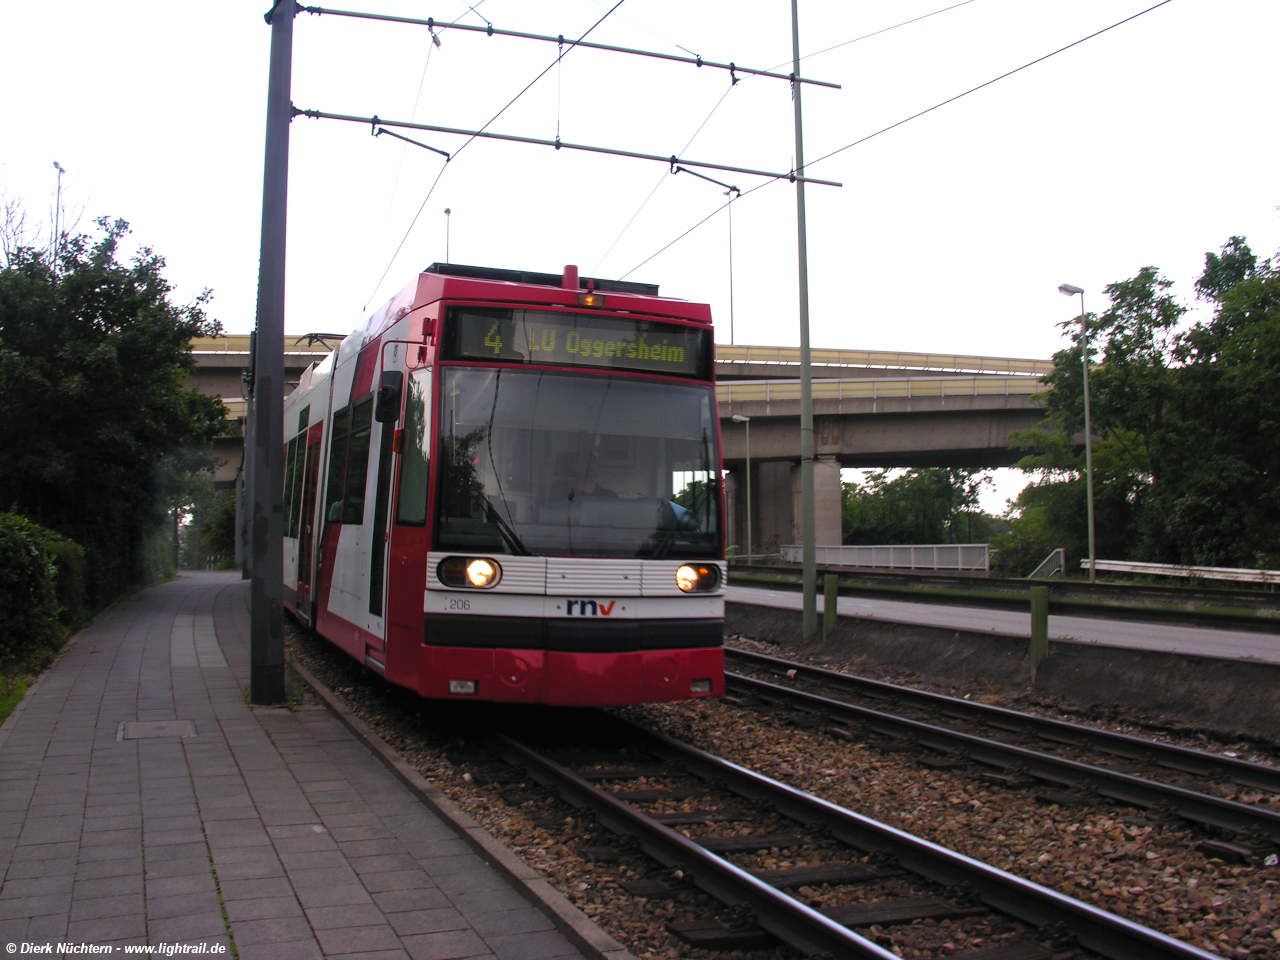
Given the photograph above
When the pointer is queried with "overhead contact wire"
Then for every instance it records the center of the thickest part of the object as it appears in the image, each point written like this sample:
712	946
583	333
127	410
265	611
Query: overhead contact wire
914	116
468	141
719	102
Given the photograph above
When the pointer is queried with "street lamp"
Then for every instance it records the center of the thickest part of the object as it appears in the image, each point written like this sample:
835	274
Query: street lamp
57	211
739	418
1067	290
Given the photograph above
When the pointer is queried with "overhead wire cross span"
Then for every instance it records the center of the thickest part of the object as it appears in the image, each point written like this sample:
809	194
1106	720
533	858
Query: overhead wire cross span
561	145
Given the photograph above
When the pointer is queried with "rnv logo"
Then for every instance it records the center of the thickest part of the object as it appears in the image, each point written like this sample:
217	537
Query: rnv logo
589	608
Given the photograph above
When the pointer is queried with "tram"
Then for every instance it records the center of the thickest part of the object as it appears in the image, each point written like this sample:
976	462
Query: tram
506	486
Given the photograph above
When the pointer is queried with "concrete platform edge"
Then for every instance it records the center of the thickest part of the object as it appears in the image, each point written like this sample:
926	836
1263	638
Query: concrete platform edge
568	919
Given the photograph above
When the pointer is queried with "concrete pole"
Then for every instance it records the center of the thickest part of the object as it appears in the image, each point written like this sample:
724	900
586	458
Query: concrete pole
809	558
266	513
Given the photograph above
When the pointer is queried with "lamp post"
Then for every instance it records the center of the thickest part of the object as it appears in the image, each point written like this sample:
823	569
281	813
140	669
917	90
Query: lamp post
739	418
447	214
1067	290
57	212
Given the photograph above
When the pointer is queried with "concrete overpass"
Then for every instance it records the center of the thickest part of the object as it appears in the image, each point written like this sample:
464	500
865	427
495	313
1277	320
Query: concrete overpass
871	409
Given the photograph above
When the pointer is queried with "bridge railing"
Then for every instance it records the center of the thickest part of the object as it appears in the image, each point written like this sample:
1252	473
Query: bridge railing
239	343
769	390
930	556
882	358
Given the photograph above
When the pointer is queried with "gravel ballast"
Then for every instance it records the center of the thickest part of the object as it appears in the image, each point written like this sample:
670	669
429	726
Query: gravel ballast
1115	859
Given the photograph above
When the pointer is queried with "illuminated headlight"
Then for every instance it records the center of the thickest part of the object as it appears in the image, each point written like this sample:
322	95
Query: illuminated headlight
475	573
462	688
697	578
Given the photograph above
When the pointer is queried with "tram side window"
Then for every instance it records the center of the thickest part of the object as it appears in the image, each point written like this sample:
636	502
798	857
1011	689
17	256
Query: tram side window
414	463
337	467
294	505
290	472
357	461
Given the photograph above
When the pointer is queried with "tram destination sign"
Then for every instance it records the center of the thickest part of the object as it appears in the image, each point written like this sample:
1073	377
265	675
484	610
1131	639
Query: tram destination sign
577	340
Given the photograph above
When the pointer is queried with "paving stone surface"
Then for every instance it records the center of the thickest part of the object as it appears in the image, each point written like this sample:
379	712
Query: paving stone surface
274	831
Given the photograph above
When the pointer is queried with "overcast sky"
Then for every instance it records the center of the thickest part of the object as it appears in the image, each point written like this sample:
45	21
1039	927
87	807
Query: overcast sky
1150	144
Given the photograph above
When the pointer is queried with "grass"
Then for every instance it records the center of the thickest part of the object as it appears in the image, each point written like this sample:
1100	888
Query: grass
18	674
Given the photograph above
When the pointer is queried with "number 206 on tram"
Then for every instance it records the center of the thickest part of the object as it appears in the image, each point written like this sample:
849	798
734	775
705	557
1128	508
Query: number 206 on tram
506	486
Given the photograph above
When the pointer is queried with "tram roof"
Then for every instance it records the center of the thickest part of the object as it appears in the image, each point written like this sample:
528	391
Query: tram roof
453	281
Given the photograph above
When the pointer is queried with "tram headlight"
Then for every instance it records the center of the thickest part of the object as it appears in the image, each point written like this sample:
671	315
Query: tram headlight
472	573
482	573
697	578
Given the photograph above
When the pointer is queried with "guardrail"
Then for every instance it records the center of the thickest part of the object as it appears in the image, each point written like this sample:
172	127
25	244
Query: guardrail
768	390
928	556
1241	574
881	358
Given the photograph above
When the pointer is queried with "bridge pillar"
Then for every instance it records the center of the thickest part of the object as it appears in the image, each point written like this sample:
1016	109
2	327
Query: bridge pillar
826	494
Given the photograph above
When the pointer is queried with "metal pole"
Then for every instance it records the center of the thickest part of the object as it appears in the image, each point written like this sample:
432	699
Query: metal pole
748	491
246	527
731	199
447	220
1088	445
266	605
809	558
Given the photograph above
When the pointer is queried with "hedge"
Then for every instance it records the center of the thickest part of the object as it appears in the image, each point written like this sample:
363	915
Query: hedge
41	587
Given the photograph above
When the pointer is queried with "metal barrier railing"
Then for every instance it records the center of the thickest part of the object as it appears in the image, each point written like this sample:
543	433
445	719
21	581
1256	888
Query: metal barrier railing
928	556
1241	574
1055	562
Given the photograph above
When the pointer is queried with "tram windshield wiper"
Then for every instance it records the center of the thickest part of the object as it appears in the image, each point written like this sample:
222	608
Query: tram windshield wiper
509	536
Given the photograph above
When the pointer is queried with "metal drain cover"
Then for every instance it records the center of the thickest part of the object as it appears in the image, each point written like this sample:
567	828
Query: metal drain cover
148	729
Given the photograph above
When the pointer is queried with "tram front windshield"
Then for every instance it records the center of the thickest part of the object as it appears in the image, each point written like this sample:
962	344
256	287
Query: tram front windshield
547	463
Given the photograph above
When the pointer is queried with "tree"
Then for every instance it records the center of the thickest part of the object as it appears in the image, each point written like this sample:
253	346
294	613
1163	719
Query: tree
94	364
925	505
1184	421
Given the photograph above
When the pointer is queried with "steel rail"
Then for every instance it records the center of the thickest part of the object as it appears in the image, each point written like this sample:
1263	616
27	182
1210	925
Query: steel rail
1113	937
490	30
785	917
1171	756
1200	807
1109	935
1096	929
558	144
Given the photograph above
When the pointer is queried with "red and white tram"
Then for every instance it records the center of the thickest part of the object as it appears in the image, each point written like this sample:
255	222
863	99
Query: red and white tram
505	486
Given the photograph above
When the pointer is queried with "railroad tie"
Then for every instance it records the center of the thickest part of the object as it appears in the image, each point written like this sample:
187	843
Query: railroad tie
898	911
834	873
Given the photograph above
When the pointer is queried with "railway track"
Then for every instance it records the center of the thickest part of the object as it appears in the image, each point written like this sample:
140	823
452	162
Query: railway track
785	864
1064	762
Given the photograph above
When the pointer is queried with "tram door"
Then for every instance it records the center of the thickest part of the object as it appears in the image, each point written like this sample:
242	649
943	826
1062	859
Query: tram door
307	534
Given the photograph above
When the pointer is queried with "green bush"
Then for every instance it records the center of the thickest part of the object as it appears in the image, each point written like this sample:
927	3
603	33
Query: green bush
28	600
67	558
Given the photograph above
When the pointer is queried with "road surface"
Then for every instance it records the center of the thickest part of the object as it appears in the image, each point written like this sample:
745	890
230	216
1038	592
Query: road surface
1194	641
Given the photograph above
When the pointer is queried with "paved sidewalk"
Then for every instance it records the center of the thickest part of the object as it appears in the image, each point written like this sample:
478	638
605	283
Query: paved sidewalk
278	831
